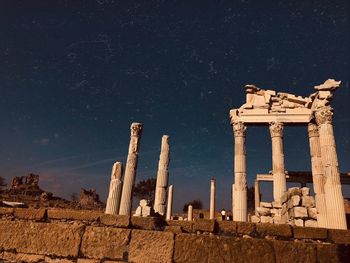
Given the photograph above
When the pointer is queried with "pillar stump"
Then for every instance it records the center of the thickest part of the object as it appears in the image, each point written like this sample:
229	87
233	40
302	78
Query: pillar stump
169	208
256	194
212	199
162	177
130	169
190	213
115	188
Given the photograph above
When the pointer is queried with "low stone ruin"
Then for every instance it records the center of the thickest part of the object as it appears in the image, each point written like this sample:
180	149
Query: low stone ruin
89	198
144	209
296	208
28	185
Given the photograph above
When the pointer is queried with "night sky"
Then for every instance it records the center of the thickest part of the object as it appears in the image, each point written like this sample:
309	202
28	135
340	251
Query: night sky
75	74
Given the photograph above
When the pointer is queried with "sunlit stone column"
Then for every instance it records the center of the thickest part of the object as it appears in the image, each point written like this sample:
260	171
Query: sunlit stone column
278	171
130	169
317	174
212	199
190	213
115	189
240	185
332	187
256	194
162	177
169	209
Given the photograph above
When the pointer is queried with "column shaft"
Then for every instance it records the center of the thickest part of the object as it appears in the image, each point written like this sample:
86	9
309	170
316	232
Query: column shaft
190	213
212	199
115	188
256	194
170	203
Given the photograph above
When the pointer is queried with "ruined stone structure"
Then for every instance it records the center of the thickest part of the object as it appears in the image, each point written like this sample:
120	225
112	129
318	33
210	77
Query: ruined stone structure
130	169
278	110
170	203
115	189
162	177
89	198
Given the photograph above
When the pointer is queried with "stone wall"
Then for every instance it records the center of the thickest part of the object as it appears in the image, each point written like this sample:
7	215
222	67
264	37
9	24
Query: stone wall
53	235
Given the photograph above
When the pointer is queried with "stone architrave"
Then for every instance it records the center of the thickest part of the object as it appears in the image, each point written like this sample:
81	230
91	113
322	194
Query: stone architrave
256	194
333	193
240	185
212	199
162	177
317	174
190	213
130	169
169	208
278	171
115	189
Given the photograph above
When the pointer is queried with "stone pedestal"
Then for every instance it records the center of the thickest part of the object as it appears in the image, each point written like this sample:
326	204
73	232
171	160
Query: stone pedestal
240	185
317	174
169	209
332	187
130	169
256	194
278	171
115	189
162	177
190	213
212	199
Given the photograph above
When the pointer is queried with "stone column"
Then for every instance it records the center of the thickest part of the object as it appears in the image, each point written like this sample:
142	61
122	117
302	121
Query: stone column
278	171
233	197
130	169
190	213
115	188
240	186
169	209
256	194
212	199
333	193
317	174
162	177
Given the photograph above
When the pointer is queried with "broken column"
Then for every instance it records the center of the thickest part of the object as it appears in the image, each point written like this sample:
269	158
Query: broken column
162	177
278	171
130	169
256	194
332	187
169	208
212	199
190	213
240	185
317	174
115	188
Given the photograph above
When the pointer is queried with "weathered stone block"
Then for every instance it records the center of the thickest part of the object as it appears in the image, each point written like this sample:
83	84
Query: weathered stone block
289	251
328	253
310	223
227	227
282	219
308	201
284	198
299	212
277	204
70	214
245	228
312	212
86	260
294	201
276	211
204	225
6	211
298	222
30	213
151	246
339	236
255	219
200	248
274	230
20	257
305	191
147	223
186	226
115	220
266	219
58	260
105	242
173	229
293	191
309	232
265	204
263	211
41	238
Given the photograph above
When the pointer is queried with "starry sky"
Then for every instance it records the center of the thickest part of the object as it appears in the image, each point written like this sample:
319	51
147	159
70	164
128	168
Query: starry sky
75	74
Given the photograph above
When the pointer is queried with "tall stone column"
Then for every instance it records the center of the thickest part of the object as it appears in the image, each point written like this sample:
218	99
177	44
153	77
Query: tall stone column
212	199
256	194
278	171
169	209
332	187
115	189
317	174
130	169
162	177
190	213
240	186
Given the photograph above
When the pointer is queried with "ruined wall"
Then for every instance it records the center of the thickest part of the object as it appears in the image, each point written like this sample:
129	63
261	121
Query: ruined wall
52	235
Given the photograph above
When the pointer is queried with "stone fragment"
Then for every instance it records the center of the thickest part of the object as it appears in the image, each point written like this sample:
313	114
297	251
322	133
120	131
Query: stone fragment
309	232
115	220
245	228
173	229
284	209
299	212
310	223
293	191
308	201
277	204
266	219
138	211
284	198
294	201
151	246
144	202
312	212
186	226
305	191
275	211
266	204
147	211
274	230
255	219
282	219
105	242
204	225
263	211
298	222
20	257
30	213
147	223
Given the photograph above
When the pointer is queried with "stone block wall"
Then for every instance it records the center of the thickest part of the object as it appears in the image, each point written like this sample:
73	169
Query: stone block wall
296	208
40	235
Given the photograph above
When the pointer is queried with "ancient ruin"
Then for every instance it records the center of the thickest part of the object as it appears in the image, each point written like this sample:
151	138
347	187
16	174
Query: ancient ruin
279	110
115	189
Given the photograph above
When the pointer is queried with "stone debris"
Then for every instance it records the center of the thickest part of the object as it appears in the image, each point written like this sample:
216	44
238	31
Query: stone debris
144	209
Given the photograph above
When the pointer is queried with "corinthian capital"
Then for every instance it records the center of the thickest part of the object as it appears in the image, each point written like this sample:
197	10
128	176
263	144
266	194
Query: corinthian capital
324	115
276	129
239	129
136	129
312	129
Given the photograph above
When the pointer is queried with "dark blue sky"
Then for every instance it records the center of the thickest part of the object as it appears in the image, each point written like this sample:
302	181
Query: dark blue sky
75	74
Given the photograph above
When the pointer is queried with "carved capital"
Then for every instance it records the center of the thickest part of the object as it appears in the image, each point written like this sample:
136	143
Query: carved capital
312	130
136	129
276	129
239	129
324	116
